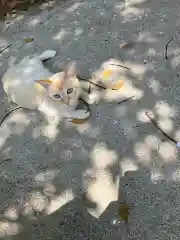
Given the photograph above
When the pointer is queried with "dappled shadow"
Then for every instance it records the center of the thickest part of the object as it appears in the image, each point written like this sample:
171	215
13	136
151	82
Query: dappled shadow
56	168
155	201
72	221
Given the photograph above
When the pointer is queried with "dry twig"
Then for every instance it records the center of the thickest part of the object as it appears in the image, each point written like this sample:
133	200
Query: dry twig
6	160
125	100
9	114
95	84
157	126
122	66
1	51
166	49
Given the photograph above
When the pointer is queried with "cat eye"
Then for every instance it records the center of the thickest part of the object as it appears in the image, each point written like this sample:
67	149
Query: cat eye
56	96
70	90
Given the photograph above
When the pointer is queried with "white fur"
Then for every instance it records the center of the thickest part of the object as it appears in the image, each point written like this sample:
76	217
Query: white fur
20	86
47	54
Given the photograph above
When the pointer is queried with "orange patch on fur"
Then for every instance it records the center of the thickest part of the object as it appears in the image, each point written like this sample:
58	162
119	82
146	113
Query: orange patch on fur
58	84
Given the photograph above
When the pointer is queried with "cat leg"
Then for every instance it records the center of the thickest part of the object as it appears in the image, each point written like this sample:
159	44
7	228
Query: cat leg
79	114
47	55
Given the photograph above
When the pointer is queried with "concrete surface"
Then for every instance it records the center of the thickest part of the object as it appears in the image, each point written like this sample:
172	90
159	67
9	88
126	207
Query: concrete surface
67	181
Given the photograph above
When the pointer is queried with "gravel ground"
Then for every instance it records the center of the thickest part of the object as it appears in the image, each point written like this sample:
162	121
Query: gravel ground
65	181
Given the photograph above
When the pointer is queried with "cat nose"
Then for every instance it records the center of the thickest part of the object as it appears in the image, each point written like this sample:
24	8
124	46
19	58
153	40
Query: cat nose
65	100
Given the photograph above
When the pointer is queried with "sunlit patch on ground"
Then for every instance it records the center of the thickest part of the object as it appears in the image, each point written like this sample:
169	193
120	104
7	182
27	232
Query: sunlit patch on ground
58	201
9	229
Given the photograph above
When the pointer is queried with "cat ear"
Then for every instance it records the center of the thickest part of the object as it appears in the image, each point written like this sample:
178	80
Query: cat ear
44	83
70	70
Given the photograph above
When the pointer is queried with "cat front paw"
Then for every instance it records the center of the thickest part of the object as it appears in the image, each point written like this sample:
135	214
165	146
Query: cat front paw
83	114
93	98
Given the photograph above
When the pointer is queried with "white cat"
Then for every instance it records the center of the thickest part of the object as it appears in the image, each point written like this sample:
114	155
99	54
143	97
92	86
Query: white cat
30	85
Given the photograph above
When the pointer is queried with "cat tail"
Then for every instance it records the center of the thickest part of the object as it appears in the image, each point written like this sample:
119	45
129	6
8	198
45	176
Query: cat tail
47	55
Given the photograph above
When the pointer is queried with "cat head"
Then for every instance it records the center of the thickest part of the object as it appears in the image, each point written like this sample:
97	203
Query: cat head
63	86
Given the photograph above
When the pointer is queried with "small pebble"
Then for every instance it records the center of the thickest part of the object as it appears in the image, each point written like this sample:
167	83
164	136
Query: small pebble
126	44
115	222
145	61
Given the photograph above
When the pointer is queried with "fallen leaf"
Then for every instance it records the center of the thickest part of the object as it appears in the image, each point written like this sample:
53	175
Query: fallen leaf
126	45
124	211
27	40
107	73
118	85
79	121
